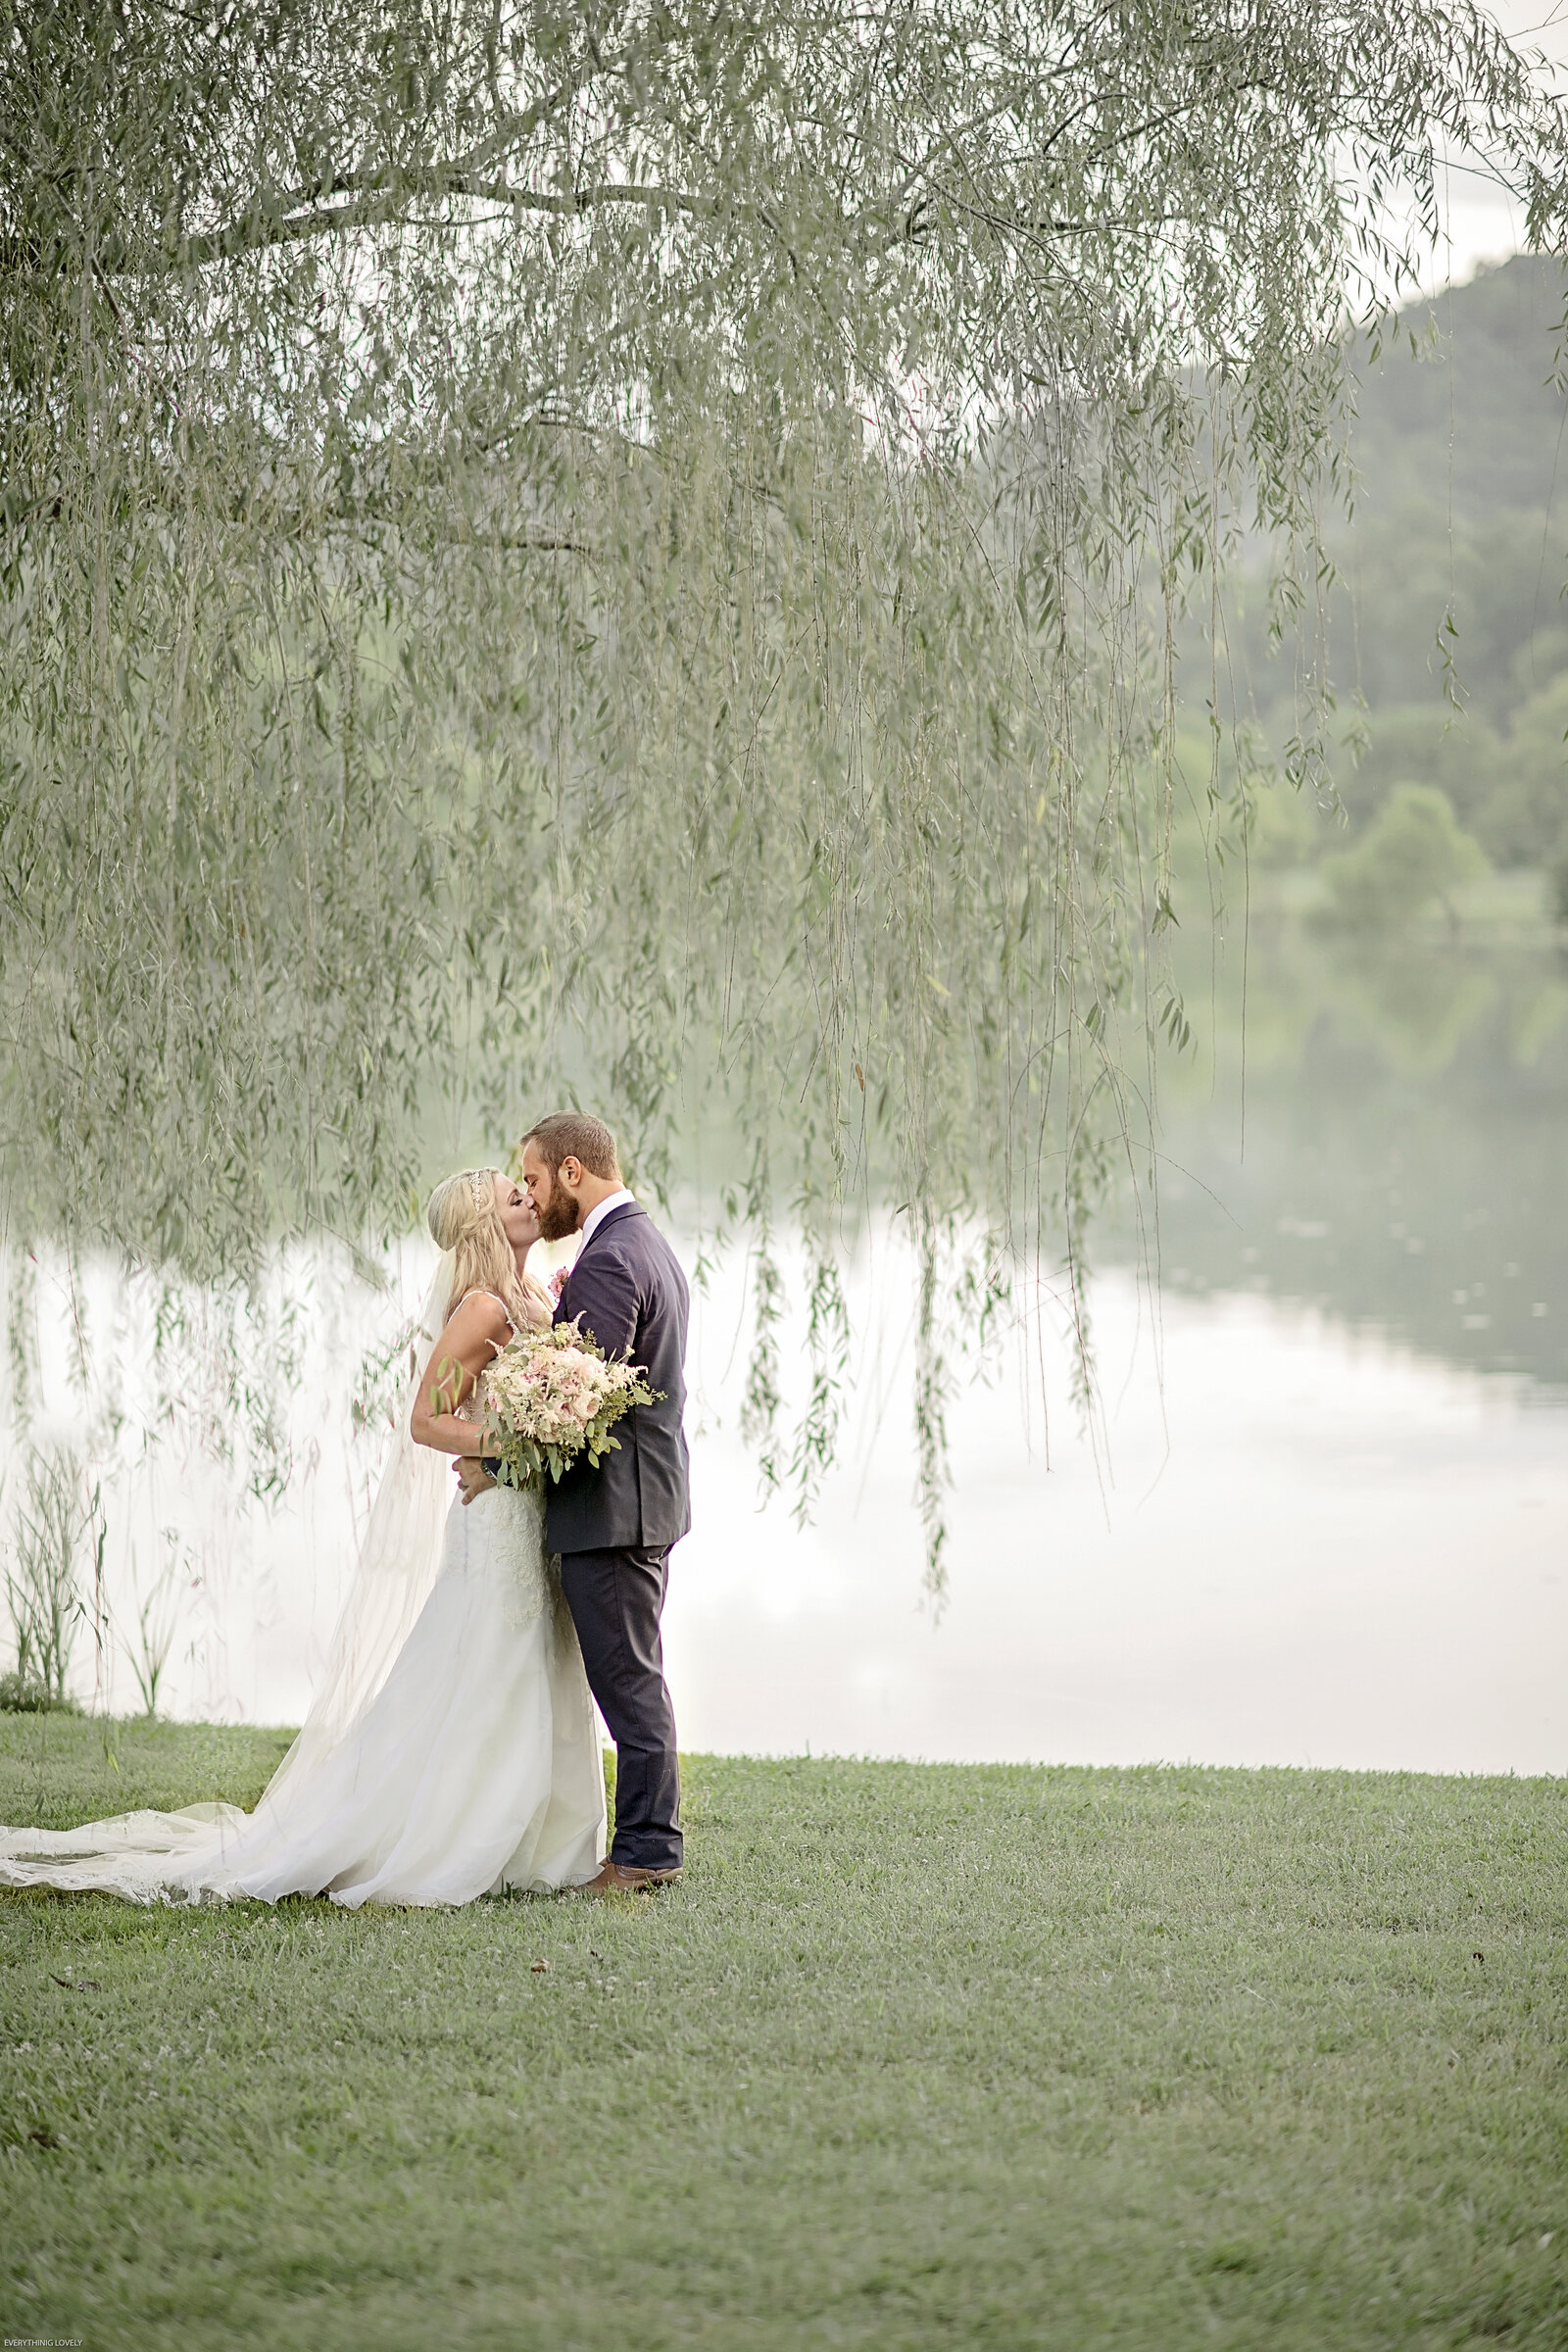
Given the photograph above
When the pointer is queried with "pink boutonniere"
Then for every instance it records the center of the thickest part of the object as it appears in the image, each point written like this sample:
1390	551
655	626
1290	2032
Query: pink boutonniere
558	1282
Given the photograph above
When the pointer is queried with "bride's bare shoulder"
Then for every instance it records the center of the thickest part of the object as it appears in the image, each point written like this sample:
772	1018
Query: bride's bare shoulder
476	1316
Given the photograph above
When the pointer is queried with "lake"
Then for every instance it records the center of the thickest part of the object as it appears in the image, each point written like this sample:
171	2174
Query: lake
1320	1516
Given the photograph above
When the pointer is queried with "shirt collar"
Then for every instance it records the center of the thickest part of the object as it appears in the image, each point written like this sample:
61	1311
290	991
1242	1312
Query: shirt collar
607	1208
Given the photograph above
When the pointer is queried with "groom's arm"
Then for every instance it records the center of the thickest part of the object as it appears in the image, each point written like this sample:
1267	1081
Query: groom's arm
603	1294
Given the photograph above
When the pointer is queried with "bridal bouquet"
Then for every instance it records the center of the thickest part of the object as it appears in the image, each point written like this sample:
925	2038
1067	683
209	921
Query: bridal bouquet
551	1395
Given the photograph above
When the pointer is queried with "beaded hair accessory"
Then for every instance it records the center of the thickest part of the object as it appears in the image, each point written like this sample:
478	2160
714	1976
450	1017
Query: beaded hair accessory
477	1185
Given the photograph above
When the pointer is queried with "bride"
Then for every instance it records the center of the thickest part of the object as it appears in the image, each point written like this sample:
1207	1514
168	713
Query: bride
451	1751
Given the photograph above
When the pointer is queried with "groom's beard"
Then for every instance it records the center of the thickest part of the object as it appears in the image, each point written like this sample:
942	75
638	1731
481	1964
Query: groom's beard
562	1215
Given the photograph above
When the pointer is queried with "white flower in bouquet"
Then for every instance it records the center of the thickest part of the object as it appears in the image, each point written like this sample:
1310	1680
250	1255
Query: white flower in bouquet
551	1397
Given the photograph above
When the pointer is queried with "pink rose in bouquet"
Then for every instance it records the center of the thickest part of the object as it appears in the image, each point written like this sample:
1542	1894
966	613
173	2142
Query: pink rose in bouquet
551	1397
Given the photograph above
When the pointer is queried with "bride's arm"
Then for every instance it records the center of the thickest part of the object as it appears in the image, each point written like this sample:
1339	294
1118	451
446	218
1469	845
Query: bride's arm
474	1338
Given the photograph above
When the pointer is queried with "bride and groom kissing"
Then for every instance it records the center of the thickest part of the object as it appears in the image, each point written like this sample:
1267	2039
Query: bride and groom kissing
451	1748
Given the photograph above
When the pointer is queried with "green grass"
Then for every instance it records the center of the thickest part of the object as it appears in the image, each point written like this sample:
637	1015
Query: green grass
917	2056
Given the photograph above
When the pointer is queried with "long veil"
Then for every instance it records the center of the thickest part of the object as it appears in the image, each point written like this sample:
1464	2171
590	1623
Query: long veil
486	1772
397	1565
205	1847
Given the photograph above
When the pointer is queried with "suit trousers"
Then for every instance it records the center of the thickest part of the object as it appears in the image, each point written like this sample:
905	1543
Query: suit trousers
616	1599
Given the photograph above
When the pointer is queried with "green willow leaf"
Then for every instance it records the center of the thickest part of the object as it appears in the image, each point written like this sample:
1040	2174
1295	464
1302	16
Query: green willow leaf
636	554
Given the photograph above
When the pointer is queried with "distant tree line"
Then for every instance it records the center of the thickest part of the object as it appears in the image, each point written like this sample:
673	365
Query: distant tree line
1446	636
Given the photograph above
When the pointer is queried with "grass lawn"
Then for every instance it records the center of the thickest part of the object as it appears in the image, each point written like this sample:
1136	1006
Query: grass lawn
917	2056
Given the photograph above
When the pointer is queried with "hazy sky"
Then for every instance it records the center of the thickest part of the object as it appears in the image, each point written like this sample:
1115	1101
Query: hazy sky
1483	225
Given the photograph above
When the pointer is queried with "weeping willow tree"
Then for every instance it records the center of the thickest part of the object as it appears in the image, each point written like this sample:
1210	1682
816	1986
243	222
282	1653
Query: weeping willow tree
637	548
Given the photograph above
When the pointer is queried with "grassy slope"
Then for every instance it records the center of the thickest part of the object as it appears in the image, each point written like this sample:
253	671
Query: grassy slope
917	2056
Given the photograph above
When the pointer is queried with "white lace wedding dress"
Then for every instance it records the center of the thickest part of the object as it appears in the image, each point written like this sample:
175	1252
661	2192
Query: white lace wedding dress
451	1753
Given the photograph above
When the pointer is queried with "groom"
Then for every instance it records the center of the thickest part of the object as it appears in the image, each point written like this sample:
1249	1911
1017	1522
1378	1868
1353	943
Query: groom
613	1525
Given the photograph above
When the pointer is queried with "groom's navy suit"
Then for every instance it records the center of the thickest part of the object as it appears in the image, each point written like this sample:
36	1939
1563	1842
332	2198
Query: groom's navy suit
614	1526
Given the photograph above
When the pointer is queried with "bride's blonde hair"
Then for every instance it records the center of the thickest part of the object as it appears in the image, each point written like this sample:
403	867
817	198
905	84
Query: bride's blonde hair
463	1217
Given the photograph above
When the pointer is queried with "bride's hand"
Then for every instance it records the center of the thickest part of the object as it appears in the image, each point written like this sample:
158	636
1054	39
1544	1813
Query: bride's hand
472	1476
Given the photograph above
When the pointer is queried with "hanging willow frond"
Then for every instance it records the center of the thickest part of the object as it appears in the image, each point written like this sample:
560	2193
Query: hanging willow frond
637	546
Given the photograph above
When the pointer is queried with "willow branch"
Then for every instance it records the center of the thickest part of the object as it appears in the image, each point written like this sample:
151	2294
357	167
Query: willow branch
384	195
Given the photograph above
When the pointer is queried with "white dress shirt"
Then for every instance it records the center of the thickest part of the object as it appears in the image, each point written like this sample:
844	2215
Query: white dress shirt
596	1216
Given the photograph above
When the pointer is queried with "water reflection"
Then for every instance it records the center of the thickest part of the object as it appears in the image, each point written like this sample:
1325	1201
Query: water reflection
1397	1157
1292	1543
1311	1548
1325	1520
1328	1519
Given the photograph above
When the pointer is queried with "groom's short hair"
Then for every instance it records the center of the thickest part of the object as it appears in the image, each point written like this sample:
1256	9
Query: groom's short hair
573	1135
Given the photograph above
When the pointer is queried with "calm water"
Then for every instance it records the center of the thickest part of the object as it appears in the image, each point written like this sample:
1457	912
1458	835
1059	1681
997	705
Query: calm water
1398	1157
1323	1517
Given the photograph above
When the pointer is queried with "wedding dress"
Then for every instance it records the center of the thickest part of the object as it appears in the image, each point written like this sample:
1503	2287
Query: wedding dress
451	1752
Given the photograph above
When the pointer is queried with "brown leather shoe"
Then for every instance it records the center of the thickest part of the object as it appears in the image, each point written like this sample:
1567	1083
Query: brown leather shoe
623	1877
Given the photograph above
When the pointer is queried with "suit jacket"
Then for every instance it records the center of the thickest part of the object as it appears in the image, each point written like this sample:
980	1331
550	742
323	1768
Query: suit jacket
628	1288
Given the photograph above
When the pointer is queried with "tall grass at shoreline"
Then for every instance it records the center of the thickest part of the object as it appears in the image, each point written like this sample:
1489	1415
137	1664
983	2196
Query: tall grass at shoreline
917	2056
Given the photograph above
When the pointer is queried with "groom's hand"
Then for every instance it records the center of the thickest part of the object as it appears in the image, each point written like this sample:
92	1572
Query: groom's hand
472	1476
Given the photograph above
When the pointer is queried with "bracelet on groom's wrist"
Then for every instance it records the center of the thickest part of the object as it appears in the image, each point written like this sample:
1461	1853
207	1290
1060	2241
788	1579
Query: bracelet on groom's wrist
490	1465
